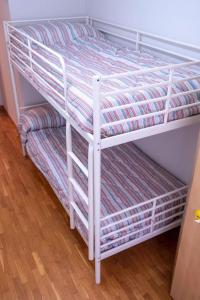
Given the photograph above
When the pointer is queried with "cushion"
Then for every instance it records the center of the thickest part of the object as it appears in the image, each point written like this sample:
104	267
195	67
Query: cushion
39	117
59	32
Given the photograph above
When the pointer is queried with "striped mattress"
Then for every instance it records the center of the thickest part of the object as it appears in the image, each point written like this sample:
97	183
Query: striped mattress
129	177
90	55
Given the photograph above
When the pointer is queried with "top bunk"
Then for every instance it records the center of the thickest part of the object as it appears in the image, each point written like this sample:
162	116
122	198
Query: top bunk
123	92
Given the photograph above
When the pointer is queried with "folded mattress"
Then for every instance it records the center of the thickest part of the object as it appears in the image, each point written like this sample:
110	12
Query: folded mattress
129	177
89	56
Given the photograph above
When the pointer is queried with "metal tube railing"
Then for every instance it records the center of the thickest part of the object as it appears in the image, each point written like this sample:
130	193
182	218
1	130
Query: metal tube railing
167	83
150	201
37	54
150	70
134	224
140	34
122	238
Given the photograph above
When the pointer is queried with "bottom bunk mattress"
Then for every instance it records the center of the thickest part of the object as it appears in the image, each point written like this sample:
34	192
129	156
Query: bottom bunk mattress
129	179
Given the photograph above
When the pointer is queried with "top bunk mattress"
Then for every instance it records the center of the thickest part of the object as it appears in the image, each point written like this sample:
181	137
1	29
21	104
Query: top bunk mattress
90	55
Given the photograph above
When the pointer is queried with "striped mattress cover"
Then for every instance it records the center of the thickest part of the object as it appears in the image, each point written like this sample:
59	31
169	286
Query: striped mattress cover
88	56
39	117
129	177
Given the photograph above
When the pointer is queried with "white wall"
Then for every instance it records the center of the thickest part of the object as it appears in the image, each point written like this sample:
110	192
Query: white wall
175	19
23	9
174	150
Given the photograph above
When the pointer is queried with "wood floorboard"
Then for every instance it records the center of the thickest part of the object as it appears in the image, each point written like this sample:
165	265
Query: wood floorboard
41	258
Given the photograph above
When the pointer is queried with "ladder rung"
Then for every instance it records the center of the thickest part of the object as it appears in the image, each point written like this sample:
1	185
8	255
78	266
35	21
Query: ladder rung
79	190
80	214
79	163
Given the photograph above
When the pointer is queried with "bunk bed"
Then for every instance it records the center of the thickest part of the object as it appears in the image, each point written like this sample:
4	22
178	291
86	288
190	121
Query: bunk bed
100	95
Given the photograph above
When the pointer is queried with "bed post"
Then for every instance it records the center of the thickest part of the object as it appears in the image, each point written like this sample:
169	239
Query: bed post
13	81
88	20
138	39
97	173
91	201
70	172
169	94
7	39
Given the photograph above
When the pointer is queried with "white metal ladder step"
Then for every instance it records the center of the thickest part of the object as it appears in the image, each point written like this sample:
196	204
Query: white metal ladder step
79	190
79	163
80	214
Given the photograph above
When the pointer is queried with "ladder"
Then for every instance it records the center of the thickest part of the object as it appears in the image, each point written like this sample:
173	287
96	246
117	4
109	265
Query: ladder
73	185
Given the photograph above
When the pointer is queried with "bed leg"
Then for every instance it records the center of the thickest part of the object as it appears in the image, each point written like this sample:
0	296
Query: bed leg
98	271
90	201
70	173
24	150
97	201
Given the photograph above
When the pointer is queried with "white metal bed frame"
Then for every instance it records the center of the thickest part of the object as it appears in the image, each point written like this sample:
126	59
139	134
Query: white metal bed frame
95	141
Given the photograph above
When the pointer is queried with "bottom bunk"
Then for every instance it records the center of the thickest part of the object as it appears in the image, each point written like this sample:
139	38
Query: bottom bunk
139	198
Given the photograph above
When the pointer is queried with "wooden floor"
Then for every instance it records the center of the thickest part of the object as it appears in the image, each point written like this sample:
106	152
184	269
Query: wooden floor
41	258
